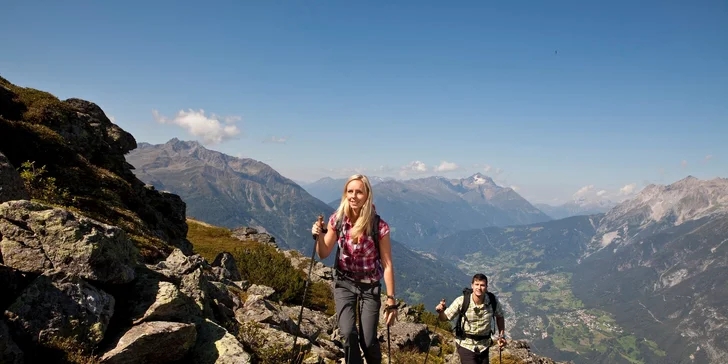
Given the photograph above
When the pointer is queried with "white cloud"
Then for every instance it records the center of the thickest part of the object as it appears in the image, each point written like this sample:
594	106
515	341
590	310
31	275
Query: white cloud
446	166
628	189
708	157
684	163
515	188
274	139
602	193
414	167
583	191
210	129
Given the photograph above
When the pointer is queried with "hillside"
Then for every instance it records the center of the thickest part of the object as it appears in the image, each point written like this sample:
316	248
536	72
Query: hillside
230	192
96	266
76	157
635	284
424	209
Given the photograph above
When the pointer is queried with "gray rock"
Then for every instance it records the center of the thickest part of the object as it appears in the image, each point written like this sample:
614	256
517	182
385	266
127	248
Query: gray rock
153	342
225	267
60	306
37	238
216	345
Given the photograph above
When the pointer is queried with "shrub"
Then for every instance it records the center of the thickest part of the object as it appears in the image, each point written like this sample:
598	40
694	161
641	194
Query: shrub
322	298
422	316
41	187
262	264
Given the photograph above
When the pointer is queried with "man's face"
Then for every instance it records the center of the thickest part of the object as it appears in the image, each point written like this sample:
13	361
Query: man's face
479	287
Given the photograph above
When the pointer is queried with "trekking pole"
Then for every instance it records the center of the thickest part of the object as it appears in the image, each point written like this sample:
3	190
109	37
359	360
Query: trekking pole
434	334
389	348
305	288
429	344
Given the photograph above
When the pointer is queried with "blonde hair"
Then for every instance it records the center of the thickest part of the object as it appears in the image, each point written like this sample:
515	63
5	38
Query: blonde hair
362	225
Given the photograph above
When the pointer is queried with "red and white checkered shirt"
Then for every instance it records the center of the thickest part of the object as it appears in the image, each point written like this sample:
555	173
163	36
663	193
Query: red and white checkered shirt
359	257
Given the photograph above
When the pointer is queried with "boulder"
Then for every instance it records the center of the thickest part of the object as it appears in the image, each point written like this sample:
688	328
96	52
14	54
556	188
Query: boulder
153	342
37	238
61	307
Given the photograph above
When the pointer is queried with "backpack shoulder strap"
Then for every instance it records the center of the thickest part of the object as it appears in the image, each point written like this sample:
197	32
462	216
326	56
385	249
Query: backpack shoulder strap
338	226
493	302
375	232
466	301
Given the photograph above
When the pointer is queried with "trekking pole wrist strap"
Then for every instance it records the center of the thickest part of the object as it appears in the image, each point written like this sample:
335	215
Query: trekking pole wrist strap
391	307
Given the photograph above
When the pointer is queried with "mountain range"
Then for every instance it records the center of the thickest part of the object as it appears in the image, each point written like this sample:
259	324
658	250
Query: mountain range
643	282
232	192
424	209
575	208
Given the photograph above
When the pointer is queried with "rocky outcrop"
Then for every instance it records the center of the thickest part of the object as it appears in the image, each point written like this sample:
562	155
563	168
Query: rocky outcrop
11	185
59	306
37	238
153	342
252	234
83	152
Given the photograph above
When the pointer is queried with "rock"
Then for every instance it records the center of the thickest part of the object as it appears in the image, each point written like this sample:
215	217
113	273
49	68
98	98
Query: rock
178	264
250	234
153	342
60	306
319	271
225	267
313	323
167	217
194	285
168	304
37	238
115	137
216	345
11	185
259	310
407	336
261	290
10	353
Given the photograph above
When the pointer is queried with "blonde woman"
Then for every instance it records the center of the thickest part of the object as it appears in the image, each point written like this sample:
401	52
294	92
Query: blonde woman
360	265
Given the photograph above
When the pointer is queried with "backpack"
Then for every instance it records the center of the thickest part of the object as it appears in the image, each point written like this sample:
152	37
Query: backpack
459	329
375	236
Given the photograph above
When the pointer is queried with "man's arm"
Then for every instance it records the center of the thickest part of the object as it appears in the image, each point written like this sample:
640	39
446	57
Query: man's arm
501	325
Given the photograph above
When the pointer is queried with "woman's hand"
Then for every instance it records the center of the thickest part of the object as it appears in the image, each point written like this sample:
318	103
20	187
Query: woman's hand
316	229
390	312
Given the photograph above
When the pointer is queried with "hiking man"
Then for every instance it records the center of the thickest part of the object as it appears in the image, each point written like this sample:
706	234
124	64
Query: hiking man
363	259
474	339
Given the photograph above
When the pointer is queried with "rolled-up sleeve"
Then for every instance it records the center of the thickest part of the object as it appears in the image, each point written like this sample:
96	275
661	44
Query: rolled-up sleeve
454	308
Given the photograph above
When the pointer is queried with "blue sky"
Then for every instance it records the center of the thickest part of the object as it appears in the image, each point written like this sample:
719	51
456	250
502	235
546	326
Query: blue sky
549	97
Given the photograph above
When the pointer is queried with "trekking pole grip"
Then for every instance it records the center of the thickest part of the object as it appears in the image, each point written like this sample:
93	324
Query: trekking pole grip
321	225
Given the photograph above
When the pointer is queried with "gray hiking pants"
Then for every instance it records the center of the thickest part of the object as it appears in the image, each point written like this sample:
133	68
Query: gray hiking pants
346	293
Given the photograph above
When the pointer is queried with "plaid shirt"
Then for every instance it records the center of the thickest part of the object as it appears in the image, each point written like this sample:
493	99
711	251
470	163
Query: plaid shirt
359	257
477	321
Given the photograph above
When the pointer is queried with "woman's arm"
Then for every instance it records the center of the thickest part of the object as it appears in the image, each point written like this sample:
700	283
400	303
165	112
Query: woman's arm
385	251
325	243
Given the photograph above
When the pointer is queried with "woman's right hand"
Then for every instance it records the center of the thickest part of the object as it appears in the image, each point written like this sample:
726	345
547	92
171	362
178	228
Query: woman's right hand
316	229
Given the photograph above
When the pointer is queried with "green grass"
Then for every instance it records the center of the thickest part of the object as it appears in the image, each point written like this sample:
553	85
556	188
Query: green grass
209	240
655	349
260	264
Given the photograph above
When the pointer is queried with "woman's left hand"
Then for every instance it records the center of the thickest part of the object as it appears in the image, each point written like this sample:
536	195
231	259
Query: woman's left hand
390	315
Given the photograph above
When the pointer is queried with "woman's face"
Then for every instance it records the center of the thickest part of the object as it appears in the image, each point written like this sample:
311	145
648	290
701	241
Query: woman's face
356	194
